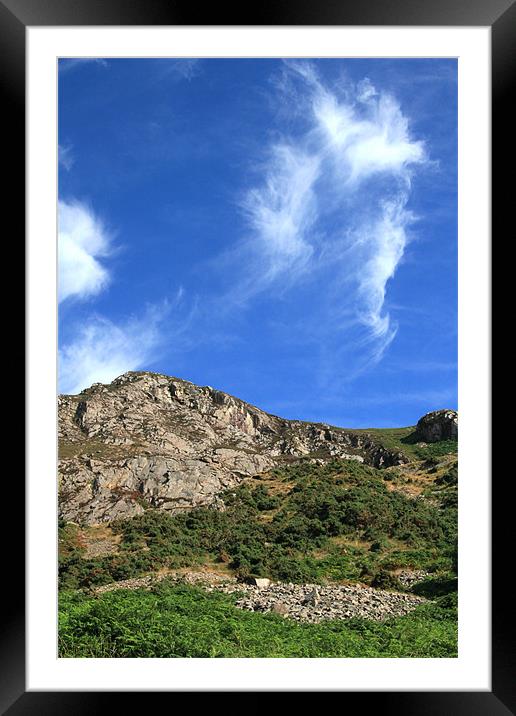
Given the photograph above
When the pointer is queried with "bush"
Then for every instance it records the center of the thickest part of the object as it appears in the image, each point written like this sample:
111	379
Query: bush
434	587
343	500
379	545
386	580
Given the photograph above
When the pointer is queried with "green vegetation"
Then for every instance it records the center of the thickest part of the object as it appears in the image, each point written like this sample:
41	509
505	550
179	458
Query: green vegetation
311	523
183	621
404	440
304	522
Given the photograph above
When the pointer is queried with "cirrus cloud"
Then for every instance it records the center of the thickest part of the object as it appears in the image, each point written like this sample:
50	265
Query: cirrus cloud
333	200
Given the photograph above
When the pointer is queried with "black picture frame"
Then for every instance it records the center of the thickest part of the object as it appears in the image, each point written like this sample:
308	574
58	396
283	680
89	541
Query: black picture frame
500	16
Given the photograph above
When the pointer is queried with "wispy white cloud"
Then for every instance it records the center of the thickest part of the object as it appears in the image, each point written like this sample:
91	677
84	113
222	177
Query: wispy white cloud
385	242
333	198
65	156
67	64
101	350
368	136
424	366
184	67
283	210
82	242
175	69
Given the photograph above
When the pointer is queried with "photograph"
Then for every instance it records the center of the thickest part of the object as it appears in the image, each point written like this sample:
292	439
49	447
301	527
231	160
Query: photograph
257	290
258	254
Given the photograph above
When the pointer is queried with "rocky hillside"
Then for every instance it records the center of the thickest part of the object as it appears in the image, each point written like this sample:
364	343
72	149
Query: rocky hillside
152	440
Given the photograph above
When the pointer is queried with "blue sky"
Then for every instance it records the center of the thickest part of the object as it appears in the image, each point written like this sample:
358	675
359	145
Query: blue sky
285	231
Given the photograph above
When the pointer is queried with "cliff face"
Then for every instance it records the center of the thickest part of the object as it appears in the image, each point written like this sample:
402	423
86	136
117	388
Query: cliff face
152	440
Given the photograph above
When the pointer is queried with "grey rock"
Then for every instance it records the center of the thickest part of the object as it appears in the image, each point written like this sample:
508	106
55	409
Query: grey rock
312	597
280	608
150	440
261	582
438	425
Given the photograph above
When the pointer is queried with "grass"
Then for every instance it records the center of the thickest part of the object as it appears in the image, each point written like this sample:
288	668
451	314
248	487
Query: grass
97	449
391	438
404	440
184	621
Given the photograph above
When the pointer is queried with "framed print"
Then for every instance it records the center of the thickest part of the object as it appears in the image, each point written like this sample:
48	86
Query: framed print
289	210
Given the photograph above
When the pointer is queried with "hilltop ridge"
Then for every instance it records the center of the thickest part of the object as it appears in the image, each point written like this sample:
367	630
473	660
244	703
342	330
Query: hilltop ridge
151	440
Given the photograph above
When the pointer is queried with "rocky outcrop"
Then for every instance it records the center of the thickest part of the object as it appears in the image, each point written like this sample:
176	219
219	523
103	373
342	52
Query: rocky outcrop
438	425
151	440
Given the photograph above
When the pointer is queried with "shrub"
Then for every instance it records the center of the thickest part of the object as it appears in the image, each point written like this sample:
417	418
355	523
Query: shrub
342	500
386	580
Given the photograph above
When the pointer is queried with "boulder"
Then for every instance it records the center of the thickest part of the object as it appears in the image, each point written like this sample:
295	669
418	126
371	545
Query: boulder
259	582
280	608
438	425
312	597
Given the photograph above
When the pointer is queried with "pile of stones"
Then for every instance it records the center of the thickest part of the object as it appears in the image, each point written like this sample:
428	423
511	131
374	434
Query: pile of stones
409	577
302	602
314	603
201	578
